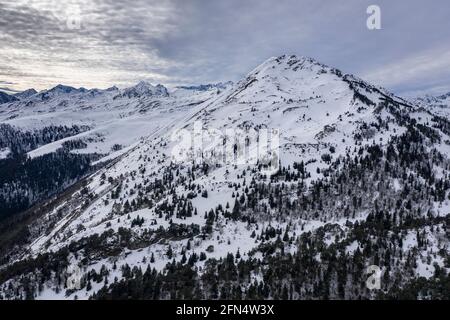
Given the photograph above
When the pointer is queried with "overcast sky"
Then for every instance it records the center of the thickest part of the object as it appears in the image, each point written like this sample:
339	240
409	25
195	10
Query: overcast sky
100	43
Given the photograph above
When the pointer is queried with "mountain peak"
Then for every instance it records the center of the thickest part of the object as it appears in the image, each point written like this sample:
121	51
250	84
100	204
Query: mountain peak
113	88
144	88
26	94
288	63
60	88
143	84
436	102
285	77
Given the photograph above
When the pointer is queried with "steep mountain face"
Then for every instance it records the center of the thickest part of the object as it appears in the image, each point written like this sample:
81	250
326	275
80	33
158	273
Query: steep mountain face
4	97
360	179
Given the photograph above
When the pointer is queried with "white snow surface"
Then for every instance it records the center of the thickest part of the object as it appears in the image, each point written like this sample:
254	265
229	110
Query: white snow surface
312	105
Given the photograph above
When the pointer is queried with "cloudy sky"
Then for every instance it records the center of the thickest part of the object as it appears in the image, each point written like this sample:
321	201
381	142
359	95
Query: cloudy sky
100	43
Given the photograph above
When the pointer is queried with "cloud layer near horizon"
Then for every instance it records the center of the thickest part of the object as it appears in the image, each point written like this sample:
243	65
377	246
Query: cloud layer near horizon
199	41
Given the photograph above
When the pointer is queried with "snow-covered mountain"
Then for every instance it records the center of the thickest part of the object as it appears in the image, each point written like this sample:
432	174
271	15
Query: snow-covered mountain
144	88
205	87
113	118
4	97
440	104
361	179
26	94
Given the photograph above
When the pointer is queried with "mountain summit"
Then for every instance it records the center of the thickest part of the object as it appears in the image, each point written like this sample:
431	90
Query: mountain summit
144	88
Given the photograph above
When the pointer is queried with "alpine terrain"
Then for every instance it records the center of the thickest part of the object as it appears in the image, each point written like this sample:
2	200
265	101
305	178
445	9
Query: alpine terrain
151	193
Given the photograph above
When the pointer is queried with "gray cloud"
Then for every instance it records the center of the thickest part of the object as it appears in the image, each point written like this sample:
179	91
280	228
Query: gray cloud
196	41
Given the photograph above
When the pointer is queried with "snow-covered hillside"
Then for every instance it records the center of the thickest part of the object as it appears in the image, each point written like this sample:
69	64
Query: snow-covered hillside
439	104
116	118
361	179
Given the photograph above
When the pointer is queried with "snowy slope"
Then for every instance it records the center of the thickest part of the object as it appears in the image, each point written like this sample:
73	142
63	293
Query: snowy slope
116	118
321	114
439	104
